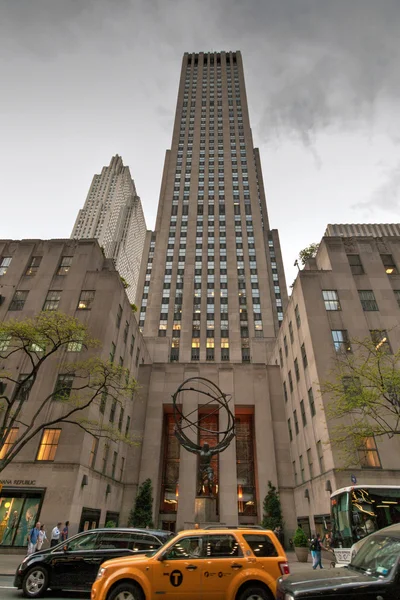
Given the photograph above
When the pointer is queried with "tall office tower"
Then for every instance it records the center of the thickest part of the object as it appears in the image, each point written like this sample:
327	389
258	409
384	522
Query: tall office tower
113	214
214	281
211	295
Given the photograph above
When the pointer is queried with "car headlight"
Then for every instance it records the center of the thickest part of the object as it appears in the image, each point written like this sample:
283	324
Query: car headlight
288	597
101	572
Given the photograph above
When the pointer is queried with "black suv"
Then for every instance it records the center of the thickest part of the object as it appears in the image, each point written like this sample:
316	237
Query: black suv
73	564
373	573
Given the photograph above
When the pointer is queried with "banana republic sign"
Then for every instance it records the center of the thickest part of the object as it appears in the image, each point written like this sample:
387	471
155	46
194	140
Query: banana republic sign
17	482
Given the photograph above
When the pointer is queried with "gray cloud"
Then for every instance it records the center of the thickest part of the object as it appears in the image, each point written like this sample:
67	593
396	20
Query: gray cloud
386	196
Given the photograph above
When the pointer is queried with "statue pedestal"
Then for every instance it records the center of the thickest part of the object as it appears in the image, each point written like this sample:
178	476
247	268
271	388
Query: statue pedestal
205	510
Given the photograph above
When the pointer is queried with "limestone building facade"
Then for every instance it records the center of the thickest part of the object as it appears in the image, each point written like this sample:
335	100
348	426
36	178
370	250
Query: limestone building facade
351	290
84	480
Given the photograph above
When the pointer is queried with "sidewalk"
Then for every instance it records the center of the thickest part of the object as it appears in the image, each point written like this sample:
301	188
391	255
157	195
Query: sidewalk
10	562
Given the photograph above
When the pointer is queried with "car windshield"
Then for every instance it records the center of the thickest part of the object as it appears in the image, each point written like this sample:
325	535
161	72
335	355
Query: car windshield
378	555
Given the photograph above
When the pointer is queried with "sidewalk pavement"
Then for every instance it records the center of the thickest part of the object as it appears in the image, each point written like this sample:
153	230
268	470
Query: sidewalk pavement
10	562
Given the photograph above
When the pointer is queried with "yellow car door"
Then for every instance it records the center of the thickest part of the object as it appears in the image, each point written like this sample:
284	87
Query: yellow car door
177	573
223	563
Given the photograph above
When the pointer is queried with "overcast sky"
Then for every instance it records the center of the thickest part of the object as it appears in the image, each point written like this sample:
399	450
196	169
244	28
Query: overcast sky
82	80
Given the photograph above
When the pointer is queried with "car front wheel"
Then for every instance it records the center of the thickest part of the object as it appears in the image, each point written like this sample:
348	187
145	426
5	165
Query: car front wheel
126	591
35	582
254	593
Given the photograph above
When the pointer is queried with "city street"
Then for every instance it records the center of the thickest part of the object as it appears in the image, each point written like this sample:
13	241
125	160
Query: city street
8	592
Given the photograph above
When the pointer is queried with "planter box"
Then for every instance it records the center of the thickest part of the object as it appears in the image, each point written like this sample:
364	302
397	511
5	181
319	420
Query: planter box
301	554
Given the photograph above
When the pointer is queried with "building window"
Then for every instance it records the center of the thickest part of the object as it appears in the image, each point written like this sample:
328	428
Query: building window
48	444
296	369
302	468
368	454
23	387
65	265
290	430
320	457
170	467
103	401
121	419
296	422
52	300
245	354
285	391
113	410
121	470
5	262
138	354
126	331
119	316
380	340
303	413
10	440
209	353
93	452
18	301
295	472
224	354
76	345
112	352
114	464
367	299
291	332
311	402
132	345
86	300
105	458
63	388
290	381
244	427
297	315
280	357
34	266
355	264
4	342
285	345
397	295
331	299
310	463
304	356
341	341
389	264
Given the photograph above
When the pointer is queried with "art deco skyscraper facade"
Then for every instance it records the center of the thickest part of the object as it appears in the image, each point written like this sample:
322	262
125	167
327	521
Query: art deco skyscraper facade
213	280
113	214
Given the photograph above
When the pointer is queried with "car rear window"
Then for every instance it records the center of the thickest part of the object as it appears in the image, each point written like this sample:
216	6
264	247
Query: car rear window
261	545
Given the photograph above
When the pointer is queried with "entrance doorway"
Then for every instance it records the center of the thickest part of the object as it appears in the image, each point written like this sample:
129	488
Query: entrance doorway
90	519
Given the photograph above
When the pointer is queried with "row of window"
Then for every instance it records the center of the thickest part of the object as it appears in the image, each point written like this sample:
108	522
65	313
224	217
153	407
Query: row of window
52	300
367	299
33	267
48	447
357	268
321	463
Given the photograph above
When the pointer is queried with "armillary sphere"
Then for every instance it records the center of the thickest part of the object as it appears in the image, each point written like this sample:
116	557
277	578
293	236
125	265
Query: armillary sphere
186	423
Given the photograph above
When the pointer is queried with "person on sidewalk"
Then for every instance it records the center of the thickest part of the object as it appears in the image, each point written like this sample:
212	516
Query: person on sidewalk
64	533
55	535
33	537
42	537
316	548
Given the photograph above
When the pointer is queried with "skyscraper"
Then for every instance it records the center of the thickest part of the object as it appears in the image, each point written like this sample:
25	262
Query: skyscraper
214	281
113	214
211	295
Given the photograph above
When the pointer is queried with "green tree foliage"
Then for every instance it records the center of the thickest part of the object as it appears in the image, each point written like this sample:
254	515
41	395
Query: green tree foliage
34	350
141	515
308	252
272	511
300	539
363	397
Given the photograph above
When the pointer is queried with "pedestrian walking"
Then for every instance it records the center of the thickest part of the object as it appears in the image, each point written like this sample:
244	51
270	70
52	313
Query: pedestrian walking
41	538
33	537
55	535
64	533
316	549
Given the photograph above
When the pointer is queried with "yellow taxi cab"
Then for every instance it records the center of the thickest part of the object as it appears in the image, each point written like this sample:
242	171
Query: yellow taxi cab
214	564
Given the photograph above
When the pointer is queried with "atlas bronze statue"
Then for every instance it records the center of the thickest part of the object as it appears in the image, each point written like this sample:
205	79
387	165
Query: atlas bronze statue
187	429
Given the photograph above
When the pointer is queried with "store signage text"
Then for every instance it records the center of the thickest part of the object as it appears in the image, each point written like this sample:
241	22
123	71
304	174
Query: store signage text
18	481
